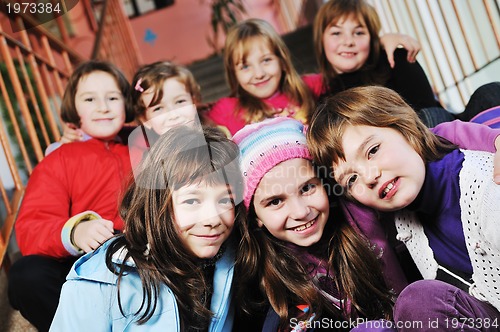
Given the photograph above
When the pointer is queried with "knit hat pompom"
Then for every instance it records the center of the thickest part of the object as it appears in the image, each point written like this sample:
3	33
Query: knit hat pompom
264	145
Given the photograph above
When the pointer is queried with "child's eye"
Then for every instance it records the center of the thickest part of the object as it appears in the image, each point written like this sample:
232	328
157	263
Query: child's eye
373	151
191	201
351	181
268	59
226	201
181	101
243	66
360	33
308	188
157	108
335	33
274	202
89	99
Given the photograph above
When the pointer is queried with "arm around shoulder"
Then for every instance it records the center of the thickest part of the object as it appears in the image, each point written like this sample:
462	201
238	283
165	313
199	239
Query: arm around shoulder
469	135
67	233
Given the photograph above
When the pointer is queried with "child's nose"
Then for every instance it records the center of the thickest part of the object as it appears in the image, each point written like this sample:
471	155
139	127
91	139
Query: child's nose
299	209
259	72
348	39
102	105
371	176
171	114
211	217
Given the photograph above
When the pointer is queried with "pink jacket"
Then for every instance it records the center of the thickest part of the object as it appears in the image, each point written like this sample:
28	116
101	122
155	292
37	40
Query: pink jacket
225	112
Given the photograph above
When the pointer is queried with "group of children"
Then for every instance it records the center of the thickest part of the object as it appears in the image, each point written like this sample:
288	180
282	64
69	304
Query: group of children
265	190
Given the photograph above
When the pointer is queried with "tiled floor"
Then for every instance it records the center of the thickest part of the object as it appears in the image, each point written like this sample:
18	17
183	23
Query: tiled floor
10	320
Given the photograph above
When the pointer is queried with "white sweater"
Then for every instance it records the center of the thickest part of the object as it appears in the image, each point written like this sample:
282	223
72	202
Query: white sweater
480	211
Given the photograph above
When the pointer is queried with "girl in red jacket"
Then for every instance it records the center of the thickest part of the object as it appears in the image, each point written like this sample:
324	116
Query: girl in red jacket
164	95
70	204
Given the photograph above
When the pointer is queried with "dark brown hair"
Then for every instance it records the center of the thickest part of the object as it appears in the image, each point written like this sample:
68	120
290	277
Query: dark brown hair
68	108
180	157
286	282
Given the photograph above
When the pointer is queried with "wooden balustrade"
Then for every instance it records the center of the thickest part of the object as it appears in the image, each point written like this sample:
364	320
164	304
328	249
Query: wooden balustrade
35	64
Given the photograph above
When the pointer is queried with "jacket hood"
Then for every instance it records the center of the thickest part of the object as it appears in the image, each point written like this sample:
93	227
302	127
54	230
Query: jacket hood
92	266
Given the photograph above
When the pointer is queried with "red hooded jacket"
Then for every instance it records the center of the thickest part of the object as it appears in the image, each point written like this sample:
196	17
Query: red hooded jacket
76	177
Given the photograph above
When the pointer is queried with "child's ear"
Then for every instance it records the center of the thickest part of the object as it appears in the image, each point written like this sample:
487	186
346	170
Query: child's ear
260	223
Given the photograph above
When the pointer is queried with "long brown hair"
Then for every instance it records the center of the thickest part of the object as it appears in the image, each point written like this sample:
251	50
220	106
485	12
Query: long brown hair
236	48
329	14
286	282
180	157
368	106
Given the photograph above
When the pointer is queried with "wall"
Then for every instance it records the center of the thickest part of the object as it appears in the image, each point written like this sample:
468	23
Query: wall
180	31
460	42
82	34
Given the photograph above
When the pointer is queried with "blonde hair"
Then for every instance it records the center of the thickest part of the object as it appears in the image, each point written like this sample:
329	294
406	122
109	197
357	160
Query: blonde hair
236	47
154	75
333	11
368	106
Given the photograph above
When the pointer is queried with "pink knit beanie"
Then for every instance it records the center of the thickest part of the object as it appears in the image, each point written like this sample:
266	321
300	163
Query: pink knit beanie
264	145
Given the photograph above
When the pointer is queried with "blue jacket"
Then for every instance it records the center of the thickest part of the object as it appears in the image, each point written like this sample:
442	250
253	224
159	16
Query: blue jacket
89	300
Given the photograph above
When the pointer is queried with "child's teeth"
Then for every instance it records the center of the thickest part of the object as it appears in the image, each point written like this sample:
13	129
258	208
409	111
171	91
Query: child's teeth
306	226
388	188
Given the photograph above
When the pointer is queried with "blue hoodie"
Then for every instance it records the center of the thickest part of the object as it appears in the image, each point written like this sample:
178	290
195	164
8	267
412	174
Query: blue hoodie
89	300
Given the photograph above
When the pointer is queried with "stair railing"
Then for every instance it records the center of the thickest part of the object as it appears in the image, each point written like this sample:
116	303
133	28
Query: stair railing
34	67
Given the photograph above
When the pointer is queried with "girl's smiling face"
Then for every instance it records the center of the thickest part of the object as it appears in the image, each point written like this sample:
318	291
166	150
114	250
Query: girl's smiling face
260	72
174	109
381	169
100	105
346	44
204	217
291	203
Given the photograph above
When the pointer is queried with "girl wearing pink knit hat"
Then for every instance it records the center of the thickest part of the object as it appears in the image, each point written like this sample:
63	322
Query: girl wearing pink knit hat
294	235
292	239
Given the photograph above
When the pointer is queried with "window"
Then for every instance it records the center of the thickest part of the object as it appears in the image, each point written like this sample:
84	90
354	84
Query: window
135	8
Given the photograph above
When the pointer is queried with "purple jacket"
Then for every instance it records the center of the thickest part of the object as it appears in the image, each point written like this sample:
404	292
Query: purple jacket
466	135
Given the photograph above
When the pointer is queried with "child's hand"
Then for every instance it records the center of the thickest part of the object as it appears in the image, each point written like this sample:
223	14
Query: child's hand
71	134
88	235
391	41
496	161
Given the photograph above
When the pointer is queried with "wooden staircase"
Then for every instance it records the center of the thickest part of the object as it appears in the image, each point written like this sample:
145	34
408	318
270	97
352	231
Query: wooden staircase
35	64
